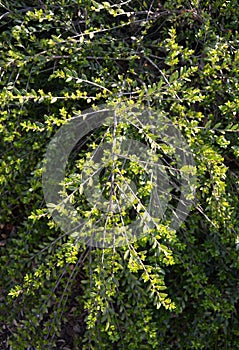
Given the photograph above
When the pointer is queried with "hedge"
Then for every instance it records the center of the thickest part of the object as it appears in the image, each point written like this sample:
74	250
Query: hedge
172	288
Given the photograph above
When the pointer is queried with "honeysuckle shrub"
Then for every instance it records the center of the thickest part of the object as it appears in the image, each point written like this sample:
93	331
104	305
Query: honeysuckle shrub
169	289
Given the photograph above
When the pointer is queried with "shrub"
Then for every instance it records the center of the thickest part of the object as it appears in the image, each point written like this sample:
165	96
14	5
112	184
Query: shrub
169	289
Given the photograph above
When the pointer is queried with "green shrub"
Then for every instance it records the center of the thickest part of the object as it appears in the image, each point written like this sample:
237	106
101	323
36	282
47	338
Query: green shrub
168	290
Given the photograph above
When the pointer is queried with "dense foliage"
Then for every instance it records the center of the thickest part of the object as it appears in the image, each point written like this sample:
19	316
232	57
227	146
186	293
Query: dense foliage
170	289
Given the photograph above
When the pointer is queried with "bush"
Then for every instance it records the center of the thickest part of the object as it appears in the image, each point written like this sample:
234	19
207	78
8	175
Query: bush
171	289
